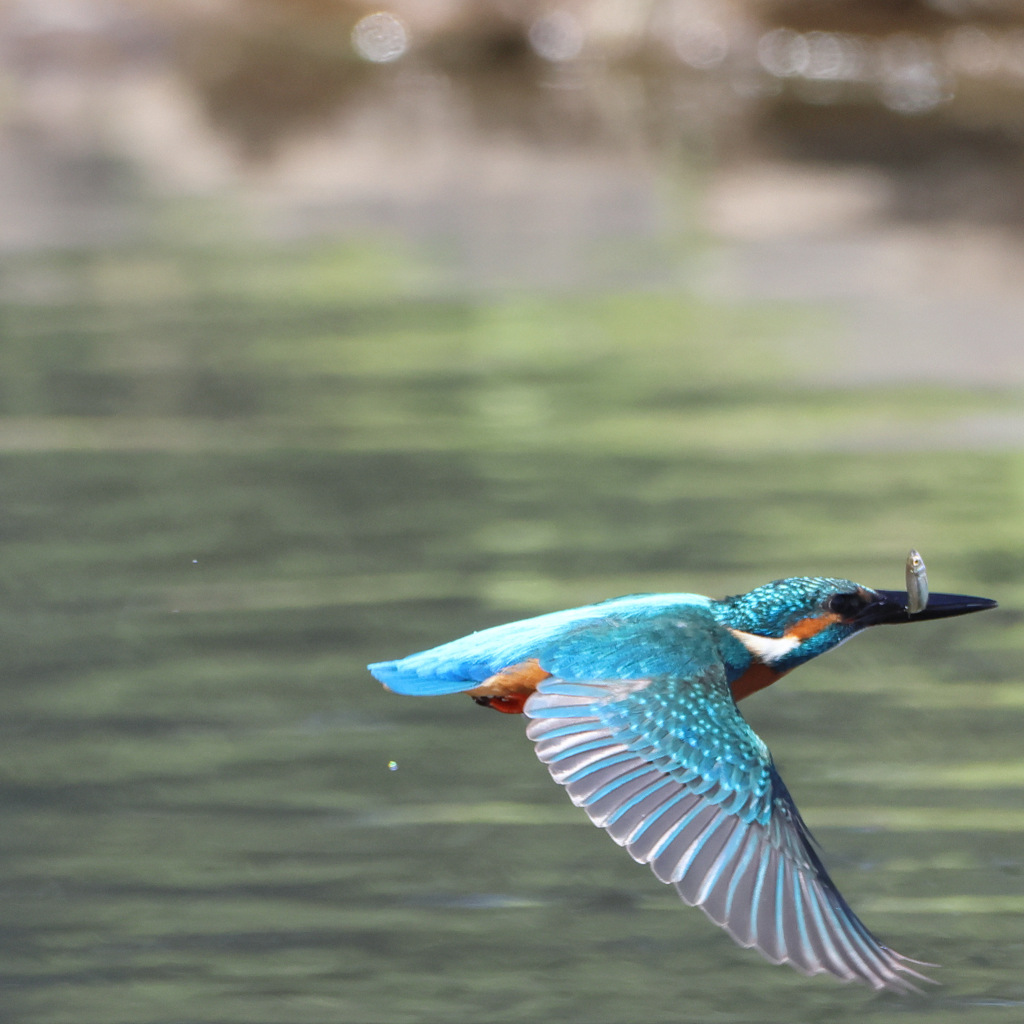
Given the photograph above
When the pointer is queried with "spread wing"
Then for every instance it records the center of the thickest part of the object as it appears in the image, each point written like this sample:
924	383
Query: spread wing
671	770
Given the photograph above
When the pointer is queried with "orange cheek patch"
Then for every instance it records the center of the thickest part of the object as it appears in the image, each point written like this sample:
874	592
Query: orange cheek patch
810	627
509	689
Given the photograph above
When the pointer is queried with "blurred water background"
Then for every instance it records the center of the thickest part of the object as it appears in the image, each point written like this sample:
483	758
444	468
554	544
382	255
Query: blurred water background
330	332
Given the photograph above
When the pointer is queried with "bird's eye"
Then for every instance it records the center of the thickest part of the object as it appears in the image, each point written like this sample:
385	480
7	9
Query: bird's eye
847	606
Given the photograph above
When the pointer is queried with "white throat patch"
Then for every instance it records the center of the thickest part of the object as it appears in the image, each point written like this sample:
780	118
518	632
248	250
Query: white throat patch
767	648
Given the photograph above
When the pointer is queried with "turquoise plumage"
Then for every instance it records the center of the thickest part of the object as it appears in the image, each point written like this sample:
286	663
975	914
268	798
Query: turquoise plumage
632	707
474	658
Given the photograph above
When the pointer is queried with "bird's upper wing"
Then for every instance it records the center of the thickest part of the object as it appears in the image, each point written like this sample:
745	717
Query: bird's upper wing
673	772
461	664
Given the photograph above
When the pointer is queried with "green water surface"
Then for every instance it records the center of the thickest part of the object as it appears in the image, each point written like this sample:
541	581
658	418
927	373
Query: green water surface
230	477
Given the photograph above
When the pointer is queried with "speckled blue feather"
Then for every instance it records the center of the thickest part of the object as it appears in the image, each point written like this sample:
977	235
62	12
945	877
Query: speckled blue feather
769	609
674	774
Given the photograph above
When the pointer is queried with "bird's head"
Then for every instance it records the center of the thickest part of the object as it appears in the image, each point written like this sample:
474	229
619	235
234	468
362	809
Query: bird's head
788	622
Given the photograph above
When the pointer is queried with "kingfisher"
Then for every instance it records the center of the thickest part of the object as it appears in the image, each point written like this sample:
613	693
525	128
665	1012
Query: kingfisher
633	708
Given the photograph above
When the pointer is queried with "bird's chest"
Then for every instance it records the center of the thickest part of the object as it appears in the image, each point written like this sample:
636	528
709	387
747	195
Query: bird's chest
756	677
746	672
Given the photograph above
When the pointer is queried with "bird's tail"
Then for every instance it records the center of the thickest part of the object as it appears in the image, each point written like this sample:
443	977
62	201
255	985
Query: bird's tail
410	676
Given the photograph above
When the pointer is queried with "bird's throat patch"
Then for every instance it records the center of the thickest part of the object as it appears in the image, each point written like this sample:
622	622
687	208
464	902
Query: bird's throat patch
767	649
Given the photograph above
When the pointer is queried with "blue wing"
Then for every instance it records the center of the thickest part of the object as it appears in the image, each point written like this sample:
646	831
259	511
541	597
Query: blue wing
463	663
672	771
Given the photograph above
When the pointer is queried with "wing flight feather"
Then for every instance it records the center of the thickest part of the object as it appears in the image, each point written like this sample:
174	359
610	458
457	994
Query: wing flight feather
675	775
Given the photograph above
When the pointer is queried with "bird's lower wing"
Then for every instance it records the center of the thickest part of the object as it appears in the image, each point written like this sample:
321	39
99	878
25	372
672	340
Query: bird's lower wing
694	794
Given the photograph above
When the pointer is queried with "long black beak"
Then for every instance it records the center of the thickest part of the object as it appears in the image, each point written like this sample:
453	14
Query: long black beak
891	607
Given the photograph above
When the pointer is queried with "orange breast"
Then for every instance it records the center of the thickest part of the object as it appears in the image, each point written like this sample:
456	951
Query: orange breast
757	677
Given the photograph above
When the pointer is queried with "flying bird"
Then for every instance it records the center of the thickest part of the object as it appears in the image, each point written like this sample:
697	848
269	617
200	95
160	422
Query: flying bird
633	708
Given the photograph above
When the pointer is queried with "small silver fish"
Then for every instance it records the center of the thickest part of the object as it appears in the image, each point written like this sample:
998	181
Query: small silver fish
917	583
